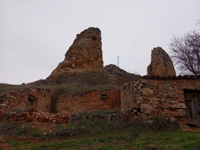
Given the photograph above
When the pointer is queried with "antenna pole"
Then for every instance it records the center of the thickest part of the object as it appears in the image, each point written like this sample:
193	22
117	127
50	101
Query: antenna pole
118	61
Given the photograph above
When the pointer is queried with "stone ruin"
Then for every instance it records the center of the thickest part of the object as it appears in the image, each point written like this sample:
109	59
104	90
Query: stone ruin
160	97
26	100
160	93
83	57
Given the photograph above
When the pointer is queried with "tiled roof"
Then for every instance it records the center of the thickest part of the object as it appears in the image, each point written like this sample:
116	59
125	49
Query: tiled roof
173	77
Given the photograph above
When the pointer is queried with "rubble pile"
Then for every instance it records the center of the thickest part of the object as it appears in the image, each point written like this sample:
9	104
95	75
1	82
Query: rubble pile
36	117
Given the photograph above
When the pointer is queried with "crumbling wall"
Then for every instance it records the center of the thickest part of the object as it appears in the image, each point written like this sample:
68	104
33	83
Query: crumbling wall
26	99
158	97
91	101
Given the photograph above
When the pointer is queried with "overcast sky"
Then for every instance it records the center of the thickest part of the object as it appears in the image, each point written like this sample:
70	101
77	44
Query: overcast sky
35	34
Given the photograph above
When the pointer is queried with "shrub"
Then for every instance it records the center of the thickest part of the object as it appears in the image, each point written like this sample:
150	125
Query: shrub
7	127
161	123
16	129
90	125
26	131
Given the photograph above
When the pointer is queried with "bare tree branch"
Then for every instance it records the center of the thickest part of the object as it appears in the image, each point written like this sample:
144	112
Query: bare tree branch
186	53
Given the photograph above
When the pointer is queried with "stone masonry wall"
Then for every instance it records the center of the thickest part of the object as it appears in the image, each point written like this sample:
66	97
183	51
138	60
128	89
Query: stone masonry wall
26	99
91	101
158	97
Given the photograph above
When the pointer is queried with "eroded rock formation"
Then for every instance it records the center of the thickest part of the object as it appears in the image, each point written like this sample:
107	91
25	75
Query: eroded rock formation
161	64
113	70
84	54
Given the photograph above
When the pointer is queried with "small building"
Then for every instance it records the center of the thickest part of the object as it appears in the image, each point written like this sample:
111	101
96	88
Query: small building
177	98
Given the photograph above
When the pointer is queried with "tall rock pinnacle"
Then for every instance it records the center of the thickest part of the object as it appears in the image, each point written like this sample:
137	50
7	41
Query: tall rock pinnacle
161	64
84	54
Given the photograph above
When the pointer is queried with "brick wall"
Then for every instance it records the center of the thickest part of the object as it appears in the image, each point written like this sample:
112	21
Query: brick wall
91	101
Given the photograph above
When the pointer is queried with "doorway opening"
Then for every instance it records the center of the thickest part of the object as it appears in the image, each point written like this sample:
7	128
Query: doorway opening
192	102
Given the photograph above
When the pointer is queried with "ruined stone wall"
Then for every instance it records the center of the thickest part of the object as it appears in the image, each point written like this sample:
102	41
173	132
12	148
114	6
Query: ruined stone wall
26	99
158	97
91	101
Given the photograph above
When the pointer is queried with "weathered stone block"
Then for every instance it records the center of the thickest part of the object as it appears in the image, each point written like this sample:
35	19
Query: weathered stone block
147	109
166	105
179	106
180	113
147	92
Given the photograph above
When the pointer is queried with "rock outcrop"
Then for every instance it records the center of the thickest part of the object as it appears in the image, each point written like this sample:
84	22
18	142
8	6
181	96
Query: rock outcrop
113	70
161	64
85	54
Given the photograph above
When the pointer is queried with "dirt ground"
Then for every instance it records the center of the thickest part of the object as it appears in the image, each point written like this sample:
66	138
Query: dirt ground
5	145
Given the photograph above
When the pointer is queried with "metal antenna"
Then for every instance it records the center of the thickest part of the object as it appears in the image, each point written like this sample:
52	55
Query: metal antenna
118	61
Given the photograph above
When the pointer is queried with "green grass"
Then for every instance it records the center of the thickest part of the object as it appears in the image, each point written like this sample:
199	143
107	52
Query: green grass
16	129
90	125
73	84
110	135
96	134
123	140
4	88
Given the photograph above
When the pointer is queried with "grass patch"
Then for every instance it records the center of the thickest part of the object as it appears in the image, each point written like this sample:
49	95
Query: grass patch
75	83
97	126
16	129
4	88
27	131
123	140
8	127
114	135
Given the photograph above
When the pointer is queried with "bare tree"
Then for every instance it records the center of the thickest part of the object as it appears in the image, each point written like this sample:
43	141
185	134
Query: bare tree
186	53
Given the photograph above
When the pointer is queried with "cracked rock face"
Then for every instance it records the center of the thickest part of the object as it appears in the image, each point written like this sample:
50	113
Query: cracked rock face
161	64
85	54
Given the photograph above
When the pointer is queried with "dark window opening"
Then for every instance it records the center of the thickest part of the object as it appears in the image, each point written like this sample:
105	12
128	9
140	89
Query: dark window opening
104	96
31	98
